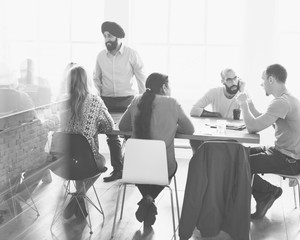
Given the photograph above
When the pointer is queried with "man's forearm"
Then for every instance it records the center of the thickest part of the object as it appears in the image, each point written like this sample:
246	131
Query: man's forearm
249	118
253	110
206	113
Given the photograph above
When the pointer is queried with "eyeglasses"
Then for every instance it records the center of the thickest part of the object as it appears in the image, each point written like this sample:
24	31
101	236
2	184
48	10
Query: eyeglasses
232	79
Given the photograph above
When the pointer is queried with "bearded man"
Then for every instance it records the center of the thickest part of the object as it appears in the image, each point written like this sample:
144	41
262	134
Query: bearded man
222	99
116	67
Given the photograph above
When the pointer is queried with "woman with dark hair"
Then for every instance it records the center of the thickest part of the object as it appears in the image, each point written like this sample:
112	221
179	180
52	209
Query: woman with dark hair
86	114
155	115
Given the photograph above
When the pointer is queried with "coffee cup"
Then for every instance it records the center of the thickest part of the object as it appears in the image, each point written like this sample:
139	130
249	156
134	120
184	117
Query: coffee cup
236	114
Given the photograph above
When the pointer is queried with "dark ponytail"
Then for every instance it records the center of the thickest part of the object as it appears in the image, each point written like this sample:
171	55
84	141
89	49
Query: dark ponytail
154	84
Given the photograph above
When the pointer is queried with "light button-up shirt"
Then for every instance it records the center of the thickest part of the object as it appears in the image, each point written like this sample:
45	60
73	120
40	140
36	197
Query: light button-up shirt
114	74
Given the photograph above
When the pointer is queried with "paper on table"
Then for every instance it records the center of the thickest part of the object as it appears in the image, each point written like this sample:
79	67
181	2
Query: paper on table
236	125
231	125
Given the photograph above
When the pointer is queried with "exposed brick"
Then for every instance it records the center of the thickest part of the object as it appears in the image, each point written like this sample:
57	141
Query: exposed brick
21	145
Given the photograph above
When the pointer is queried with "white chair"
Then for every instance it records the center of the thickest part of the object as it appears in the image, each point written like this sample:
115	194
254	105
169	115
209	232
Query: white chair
297	178
145	163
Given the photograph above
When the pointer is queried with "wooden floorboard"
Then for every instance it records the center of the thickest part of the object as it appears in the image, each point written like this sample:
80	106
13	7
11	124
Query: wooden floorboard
282	221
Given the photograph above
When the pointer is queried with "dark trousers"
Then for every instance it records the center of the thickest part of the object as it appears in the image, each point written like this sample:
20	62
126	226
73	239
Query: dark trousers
269	160
116	104
152	190
115	149
195	144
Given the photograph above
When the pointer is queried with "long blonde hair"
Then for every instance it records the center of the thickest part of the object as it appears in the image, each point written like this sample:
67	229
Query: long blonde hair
78	90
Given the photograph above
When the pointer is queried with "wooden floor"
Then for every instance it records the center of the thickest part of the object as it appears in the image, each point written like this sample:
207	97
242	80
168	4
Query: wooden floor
281	222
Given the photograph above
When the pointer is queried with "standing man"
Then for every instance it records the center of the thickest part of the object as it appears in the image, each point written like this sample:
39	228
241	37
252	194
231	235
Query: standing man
284	157
115	69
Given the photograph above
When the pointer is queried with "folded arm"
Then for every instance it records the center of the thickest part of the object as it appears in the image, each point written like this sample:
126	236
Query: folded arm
198	110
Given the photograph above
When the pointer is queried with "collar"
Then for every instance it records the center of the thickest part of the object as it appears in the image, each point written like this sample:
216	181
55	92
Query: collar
121	50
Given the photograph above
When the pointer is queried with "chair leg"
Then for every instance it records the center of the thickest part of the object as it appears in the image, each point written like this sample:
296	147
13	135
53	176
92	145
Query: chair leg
177	202
116	212
57	211
298	181
173	215
100	206
34	207
87	209
123	199
295	201
15	196
13	214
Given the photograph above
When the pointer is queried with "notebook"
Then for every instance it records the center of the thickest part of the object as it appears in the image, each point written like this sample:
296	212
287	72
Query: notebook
235	125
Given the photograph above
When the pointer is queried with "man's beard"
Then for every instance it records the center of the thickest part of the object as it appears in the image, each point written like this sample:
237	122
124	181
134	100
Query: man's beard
233	89
111	45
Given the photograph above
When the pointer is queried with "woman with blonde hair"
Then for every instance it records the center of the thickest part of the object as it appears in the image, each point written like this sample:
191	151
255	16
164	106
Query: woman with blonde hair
86	114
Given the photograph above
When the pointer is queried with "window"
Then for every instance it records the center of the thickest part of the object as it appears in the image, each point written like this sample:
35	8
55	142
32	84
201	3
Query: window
191	41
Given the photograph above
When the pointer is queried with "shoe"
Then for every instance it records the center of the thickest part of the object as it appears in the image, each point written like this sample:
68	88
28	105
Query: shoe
113	176
70	209
103	170
263	206
142	211
47	178
81	212
293	182
151	215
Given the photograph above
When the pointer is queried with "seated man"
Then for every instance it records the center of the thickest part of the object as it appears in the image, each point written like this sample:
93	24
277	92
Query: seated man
284	158
221	100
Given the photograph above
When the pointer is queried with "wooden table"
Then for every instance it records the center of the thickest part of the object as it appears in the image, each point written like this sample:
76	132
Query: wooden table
203	131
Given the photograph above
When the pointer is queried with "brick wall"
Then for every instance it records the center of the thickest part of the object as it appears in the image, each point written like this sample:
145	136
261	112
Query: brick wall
22	140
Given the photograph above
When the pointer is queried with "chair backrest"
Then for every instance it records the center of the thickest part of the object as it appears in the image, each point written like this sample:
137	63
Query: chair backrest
219	186
74	156
145	162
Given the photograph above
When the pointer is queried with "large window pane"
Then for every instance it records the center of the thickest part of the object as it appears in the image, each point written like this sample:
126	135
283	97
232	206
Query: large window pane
224	21
54	20
155	58
187	21
21	19
289	17
53	60
289	49
87	18
187	68
85	55
149	21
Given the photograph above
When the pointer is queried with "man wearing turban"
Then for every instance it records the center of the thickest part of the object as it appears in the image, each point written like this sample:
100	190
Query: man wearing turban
116	68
